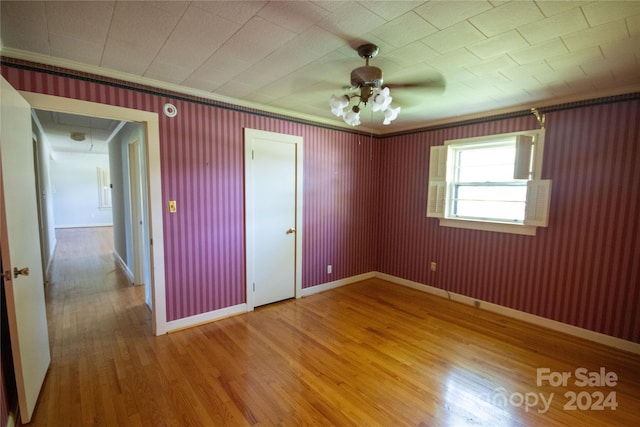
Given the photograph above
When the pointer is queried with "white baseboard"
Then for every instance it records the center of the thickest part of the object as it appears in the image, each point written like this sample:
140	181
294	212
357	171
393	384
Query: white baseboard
618	343
123	267
201	319
519	315
47	273
99	224
336	284
212	316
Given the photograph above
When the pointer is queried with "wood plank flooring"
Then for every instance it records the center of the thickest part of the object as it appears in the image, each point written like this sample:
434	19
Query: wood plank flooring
367	354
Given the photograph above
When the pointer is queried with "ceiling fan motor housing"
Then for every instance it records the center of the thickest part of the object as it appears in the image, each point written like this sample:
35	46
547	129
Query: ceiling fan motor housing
367	75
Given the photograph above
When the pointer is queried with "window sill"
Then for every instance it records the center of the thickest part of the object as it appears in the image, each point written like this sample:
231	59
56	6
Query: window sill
527	230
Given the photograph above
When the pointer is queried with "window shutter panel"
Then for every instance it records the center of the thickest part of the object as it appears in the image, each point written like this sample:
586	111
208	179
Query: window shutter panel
436	197
524	151
438	162
538	199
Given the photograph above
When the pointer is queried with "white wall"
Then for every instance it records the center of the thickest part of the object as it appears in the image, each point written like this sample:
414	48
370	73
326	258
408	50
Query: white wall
119	194
48	232
130	133
75	190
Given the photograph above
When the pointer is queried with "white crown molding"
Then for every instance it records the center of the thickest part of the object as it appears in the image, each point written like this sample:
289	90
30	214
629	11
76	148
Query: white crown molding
522	107
132	78
157	84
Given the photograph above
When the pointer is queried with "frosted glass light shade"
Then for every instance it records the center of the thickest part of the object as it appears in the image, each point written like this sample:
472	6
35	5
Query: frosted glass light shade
380	99
338	104
352	118
390	114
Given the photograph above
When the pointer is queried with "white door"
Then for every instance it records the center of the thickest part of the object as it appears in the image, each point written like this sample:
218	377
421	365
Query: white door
20	246
272	216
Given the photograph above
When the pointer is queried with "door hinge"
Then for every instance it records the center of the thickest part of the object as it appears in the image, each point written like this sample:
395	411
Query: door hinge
7	276
254	286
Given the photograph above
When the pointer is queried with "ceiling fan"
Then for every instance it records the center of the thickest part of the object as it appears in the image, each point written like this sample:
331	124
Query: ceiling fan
368	80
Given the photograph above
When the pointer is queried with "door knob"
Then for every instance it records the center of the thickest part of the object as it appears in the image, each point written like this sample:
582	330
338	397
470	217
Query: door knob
21	272
291	230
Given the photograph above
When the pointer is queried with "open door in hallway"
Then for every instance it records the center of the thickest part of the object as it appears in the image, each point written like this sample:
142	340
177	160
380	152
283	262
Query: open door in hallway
20	246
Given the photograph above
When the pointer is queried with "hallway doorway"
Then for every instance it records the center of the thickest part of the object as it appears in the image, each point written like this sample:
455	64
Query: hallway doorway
149	124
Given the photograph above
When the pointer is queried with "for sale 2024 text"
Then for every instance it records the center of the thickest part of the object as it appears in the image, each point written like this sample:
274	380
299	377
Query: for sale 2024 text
582	400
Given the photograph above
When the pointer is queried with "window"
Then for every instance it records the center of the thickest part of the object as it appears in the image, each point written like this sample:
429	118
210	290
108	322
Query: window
490	183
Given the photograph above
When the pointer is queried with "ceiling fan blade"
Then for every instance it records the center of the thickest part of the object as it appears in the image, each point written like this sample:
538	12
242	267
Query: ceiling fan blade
435	84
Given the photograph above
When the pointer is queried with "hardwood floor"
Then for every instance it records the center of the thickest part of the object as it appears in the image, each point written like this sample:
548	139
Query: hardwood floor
367	354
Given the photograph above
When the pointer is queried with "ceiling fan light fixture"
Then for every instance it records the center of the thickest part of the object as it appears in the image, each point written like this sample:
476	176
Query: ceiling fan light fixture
390	114
352	117
368	79
380	99
78	136
338	104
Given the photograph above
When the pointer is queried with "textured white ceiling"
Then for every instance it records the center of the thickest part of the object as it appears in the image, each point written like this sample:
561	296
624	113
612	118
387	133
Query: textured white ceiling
292	56
59	127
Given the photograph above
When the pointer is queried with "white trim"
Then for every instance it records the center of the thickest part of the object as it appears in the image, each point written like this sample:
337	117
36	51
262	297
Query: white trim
133	78
501	227
152	145
136	208
411	284
91	69
118	75
100	224
123	267
212	316
539	104
442	181
336	284
203	318
554	325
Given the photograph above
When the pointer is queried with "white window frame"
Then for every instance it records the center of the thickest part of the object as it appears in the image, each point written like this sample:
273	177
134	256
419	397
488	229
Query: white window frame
528	166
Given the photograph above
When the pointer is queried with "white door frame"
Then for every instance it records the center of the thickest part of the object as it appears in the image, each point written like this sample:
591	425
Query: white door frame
151	124
250	248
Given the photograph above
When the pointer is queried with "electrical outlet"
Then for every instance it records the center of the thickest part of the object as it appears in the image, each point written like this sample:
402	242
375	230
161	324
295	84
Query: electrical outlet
172	206
329	269
433	266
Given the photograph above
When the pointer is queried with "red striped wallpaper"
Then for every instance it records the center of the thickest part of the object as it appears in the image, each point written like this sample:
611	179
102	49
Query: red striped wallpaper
584	269
202	167
340	206
364	209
